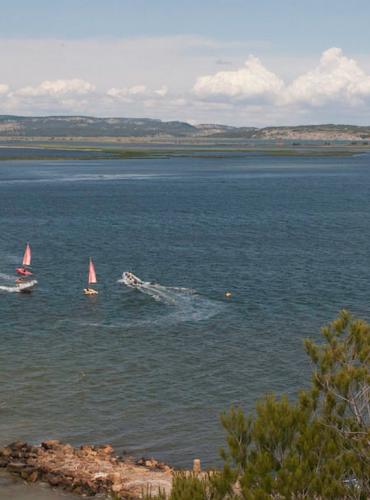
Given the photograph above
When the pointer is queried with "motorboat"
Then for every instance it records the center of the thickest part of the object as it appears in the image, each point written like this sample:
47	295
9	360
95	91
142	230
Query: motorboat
131	280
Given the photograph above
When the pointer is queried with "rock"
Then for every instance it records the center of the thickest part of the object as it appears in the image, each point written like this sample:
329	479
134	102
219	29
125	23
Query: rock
100	475
105	449
16	467
84	488
18	445
115	478
86	471
165	468
88	450
150	463
78	490
117	487
86	447
27	471
53	479
65	482
33	477
50	444
5	452
67	449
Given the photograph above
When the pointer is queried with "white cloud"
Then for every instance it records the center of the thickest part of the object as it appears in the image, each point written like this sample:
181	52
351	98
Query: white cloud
163	91
127	93
251	81
174	61
57	88
335	78
138	93
177	77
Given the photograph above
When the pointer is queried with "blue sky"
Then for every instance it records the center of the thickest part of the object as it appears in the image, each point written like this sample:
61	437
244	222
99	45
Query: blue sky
148	58
287	25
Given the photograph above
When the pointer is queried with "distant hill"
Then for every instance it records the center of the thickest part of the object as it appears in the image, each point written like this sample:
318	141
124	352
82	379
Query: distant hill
84	126
316	132
135	128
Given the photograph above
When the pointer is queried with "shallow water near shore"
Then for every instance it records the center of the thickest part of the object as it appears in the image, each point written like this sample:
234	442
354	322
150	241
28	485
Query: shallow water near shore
12	487
150	371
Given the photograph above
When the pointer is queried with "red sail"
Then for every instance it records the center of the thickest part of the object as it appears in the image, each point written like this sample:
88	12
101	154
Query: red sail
92	275
27	256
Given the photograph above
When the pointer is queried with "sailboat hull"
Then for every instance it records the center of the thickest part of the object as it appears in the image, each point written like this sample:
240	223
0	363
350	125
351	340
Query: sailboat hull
23	272
25	286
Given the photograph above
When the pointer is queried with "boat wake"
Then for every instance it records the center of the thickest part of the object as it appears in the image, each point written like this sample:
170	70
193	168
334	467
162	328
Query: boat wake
166	294
188	303
107	177
21	287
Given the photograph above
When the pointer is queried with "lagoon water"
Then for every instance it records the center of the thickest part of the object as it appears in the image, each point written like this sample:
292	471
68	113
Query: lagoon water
150	371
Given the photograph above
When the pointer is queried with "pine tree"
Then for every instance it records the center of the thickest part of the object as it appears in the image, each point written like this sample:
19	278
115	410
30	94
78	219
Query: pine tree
341	392
317	447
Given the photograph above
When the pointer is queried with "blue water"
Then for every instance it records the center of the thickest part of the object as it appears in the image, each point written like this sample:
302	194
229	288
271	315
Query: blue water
151	372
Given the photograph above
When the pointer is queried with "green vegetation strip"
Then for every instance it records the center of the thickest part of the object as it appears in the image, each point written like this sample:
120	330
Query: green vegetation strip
93	153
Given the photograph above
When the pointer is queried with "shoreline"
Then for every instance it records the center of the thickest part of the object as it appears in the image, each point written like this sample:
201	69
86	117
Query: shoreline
43	151
87	470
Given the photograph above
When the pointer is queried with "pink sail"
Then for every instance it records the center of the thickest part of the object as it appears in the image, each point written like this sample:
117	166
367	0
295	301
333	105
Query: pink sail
92	274
27	256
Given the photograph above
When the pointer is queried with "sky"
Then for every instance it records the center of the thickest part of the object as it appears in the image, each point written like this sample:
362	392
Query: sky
236	62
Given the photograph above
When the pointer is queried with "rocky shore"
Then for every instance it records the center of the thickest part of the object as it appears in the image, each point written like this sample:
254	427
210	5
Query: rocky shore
88	470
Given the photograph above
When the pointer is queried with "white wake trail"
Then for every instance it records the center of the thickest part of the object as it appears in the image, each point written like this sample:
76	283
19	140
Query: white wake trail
187	303
18	288
166	294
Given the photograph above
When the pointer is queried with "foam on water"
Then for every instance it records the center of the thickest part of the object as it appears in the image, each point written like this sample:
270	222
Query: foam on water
18	288
105	177
82	178
188	304
166	294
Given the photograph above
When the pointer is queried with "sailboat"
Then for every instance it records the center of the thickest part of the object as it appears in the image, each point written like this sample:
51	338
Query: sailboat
26	262
91	279
25	284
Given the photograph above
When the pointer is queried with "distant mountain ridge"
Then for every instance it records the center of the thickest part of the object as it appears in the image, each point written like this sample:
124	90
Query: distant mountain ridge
86	126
